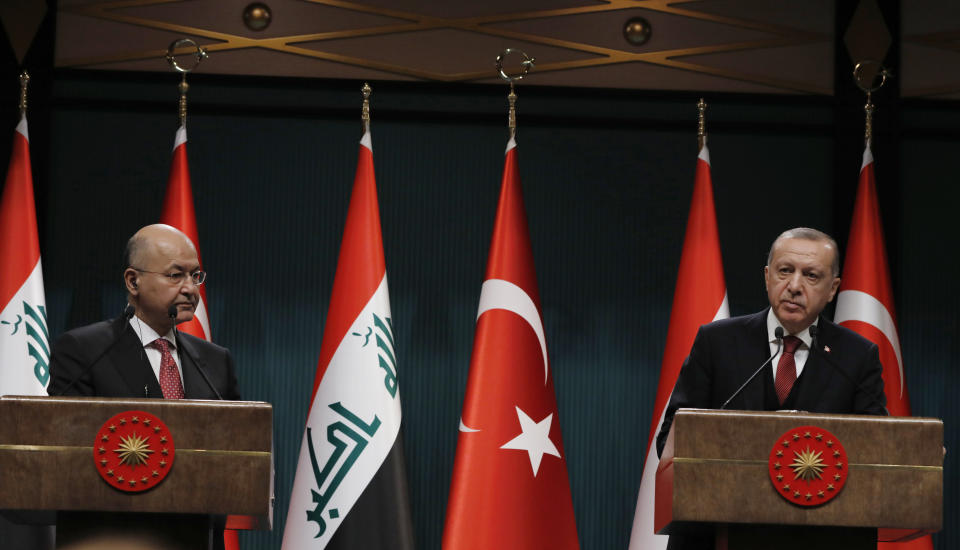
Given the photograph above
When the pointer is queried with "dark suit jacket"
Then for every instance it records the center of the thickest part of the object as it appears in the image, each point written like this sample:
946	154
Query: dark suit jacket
725	353
123	371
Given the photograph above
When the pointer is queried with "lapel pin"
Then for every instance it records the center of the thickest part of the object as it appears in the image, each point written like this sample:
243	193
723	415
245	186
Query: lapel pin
826	349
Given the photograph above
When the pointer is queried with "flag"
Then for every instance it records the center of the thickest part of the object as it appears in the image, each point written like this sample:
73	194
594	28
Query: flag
178	212
24	351
350	489
865	302
699	298
510	488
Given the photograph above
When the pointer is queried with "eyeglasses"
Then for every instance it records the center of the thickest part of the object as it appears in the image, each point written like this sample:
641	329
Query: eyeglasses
178	277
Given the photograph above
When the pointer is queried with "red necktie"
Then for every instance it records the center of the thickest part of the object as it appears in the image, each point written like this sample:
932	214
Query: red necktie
787	368
169	375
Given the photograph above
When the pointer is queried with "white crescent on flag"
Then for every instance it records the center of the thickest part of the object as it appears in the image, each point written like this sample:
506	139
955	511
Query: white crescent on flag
500	294
201	316
854	305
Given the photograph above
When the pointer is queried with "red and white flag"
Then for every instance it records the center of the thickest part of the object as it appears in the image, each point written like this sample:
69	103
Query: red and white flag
510	488
865	302
24	351
350	489
700	297
178	212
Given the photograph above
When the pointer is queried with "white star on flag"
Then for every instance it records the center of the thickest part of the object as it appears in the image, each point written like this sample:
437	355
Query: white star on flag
534	438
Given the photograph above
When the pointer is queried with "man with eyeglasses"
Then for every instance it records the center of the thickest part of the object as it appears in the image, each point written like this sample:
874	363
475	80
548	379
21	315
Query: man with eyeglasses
141	354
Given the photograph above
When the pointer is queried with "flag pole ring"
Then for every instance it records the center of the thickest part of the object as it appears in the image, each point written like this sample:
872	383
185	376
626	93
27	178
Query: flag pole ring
200	54
525	65
868	89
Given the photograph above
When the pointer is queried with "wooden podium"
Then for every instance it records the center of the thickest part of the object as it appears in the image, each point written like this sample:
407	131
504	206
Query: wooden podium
223	466
714	479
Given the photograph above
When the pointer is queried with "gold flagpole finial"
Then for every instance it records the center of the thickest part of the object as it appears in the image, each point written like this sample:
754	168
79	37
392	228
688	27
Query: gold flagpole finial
200	54
24	81
525	67
512	115
183	87
868	109
701	124
876	69
366	90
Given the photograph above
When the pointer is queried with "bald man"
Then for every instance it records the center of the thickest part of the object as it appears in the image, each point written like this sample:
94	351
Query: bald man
141	354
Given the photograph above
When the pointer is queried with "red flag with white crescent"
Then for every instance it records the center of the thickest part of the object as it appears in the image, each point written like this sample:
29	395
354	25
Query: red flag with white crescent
178	212
510	488
865	302
700	297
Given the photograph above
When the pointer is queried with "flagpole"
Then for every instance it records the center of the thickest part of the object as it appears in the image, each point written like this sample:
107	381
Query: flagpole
199	54
366	90
24	81
701	124
868	88
525	66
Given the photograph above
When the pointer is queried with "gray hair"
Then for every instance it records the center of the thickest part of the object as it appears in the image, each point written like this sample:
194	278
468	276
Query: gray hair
809	234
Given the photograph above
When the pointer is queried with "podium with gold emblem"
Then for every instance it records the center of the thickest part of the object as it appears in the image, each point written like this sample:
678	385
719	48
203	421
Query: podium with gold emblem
164	470
797	480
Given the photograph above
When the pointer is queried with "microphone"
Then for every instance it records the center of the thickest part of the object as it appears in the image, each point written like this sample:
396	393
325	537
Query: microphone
778	333
125	317
814	348
172	312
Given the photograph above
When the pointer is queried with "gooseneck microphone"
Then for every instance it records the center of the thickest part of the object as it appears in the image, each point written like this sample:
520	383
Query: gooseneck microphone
172	313
814	348
125	318
778	334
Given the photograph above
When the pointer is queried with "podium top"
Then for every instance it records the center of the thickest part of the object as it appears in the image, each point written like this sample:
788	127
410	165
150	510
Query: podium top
715	469
223	462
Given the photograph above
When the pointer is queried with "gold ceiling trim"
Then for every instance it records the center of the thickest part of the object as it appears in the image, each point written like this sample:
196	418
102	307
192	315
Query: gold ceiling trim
292	44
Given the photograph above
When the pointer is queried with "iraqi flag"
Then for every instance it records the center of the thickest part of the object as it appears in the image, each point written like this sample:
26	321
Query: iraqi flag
350	489
700	297
865	301
510	488
24	352
178	212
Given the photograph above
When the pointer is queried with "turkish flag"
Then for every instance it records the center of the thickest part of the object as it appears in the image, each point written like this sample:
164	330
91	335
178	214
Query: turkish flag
865	302
178	212
699	298
510	488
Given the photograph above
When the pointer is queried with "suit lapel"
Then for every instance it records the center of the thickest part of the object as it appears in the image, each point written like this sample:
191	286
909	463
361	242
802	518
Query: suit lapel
816	375
130	362
754	351
194	386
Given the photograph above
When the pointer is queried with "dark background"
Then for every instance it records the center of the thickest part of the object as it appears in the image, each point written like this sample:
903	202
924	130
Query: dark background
607	180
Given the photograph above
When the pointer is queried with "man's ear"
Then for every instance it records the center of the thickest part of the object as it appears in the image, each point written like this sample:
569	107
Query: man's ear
130	278
833	289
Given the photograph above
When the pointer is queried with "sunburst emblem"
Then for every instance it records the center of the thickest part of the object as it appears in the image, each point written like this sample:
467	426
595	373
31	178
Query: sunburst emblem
134	450
807	465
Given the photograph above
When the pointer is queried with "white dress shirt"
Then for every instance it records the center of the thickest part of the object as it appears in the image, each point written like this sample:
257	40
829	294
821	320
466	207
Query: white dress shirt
802	352
148	335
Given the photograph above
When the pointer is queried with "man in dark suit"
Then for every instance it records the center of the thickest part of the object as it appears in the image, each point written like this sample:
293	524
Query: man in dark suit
140	354
802	277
